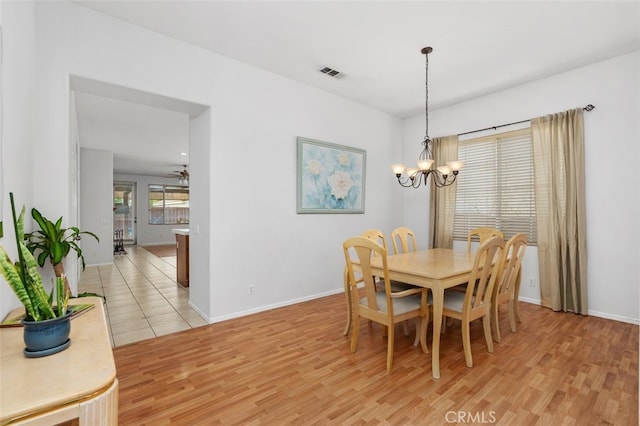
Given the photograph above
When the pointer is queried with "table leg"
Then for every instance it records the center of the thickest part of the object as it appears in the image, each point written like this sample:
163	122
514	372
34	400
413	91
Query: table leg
438	302
101	410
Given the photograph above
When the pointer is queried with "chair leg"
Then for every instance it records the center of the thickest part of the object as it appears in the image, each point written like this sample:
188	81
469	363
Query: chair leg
421	332
512	315
424	324
390	340
448	321
495	325
347	293
348	324
405	327
466	343
354	335
486	324
516	296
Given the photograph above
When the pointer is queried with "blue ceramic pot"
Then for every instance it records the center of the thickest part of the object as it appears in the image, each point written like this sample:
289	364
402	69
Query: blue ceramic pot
46	337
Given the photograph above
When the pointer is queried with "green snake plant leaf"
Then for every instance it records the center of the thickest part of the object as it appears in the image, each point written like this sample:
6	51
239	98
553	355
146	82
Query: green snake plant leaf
20	226
11	274
35	288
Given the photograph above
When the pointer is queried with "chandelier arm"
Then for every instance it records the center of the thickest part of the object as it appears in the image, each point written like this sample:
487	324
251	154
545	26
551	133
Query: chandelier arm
425	176
441	180
408	182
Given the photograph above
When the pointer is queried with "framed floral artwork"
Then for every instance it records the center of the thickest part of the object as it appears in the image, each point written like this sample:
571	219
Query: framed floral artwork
330	177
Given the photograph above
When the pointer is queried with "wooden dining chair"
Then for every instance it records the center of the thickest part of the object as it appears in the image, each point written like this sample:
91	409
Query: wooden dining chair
387	308
377	236
504	290
482	234
475	302
404	240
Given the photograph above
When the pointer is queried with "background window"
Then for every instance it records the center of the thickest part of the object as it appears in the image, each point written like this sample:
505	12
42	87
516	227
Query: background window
168	205
495	188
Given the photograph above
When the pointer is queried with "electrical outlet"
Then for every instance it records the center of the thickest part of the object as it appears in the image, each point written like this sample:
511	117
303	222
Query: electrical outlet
251	289
532	282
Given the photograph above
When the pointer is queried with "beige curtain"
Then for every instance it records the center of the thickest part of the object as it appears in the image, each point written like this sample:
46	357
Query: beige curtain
558	151
442	200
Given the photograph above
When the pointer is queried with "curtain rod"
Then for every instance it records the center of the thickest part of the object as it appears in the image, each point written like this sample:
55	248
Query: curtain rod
587	108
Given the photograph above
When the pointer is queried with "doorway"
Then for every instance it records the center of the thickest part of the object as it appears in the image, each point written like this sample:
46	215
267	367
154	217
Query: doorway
107	113
124	212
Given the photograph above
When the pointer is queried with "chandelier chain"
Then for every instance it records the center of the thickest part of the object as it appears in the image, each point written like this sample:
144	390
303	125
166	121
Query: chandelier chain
426	102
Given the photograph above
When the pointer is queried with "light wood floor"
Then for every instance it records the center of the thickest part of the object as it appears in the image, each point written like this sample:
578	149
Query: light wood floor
292	366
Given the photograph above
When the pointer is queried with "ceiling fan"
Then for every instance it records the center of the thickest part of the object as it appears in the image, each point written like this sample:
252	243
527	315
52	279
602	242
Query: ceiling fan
182	175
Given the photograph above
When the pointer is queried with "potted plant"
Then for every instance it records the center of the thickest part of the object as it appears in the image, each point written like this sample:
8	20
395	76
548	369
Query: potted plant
47	319
54	242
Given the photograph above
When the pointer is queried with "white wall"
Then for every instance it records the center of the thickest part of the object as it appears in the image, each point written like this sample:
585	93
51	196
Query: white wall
255	236
96	205
200	210
612	132
16	77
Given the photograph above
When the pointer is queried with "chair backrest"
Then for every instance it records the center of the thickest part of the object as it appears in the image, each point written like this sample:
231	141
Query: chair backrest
404	240
483	235
377	236
364	249
510	267
486	264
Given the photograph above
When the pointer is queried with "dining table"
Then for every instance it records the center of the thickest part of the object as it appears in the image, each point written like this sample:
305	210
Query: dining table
436	269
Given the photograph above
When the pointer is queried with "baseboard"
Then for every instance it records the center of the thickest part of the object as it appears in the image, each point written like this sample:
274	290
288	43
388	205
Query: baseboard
199	312
268	307
593	313
614	317
340	290
529	300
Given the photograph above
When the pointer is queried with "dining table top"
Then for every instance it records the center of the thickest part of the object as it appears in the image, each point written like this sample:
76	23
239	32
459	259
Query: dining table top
425	267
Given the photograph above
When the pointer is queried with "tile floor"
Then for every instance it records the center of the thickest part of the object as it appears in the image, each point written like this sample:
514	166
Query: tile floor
143	298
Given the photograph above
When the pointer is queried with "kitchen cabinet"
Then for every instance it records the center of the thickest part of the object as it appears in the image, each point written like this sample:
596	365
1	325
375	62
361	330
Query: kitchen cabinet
182	253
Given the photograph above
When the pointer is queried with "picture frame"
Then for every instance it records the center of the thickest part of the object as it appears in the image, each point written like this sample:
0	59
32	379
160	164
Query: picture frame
330	177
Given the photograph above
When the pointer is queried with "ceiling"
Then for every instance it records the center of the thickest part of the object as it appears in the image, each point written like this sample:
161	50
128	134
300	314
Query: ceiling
479	47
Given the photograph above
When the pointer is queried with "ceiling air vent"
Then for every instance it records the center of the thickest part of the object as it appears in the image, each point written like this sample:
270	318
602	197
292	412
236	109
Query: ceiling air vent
331	72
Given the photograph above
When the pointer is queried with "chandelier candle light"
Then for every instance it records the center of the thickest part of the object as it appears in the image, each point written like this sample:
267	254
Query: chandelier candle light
414	177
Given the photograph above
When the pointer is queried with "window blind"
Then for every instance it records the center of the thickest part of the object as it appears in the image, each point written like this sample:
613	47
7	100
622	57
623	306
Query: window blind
495	188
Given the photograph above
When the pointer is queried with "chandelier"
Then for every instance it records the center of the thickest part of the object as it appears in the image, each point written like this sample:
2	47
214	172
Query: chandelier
442	175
